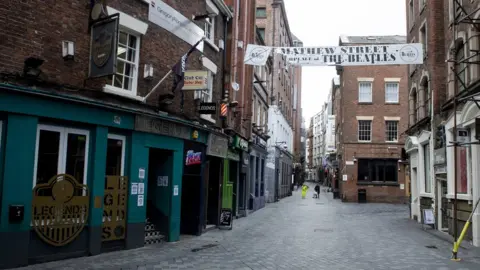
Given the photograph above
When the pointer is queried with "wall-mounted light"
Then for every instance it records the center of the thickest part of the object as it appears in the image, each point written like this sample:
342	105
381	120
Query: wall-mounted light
68	50
148	71
221	44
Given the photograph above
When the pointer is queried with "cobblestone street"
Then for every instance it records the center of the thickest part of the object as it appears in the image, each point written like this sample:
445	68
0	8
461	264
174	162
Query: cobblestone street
297	234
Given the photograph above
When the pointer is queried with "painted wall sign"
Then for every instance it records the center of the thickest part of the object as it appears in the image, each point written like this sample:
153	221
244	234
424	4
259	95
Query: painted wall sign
217	146
349	162
115	208
193	158
60	209
162	127
174	22
207	108
103	48
195	80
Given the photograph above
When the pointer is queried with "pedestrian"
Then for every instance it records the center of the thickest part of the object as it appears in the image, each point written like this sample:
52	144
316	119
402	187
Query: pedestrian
304	191
317	190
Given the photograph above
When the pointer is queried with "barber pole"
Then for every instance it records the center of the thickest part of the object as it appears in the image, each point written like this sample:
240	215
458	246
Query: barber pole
223	110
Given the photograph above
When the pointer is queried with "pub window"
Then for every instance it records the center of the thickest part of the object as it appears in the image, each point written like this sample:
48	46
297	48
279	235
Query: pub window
115	155
262	178
126	75
60	150
377	170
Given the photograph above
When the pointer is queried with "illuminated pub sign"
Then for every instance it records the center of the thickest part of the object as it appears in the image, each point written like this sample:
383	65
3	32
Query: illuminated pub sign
60	209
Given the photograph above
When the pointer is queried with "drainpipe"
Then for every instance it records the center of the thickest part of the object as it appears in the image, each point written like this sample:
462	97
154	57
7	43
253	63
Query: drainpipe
226	89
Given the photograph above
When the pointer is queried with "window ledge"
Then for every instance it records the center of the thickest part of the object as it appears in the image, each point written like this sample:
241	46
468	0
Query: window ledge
463	197
428	195
364	141
211	43
361	183
392	141
117	91
365	103
392	103
208	118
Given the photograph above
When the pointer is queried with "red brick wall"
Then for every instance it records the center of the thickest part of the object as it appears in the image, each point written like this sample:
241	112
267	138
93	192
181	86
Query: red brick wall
378	148
36	28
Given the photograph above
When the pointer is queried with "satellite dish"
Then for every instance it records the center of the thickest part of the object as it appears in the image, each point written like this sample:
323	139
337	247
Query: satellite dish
235	86
97	10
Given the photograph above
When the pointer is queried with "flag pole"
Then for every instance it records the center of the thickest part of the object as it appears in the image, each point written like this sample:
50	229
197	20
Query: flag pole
156	86
144	100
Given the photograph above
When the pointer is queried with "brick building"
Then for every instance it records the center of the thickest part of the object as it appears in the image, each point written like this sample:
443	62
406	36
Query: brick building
372	115
427	93
273	24
452	72
169	164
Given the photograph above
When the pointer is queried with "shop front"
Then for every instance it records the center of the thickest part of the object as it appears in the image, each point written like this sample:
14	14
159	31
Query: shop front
74	185
466	173
258	155
239	145
233	158
218	190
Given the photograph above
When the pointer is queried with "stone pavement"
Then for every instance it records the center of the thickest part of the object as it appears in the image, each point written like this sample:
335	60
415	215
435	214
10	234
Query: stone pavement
297	234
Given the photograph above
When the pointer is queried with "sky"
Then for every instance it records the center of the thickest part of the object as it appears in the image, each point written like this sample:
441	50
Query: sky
321	22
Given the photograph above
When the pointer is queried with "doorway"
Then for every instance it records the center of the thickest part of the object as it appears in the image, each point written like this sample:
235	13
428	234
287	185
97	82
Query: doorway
158	199
443	217
191	207
242	181
212	209
233	179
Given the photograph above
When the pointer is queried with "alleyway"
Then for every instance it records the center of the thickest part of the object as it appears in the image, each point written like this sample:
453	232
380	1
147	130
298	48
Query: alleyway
297	234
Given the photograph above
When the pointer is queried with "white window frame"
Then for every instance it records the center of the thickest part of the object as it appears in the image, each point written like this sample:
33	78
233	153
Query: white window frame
62	151
109	88
211	8
358	129
360	93
424	42
411	14
124	140
212	70
397	94
398	125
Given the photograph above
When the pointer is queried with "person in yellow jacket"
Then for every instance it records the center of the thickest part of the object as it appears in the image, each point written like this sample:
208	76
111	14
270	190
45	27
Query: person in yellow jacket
304	191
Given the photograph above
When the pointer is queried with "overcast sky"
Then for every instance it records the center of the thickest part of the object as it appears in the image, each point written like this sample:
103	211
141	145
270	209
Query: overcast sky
321	22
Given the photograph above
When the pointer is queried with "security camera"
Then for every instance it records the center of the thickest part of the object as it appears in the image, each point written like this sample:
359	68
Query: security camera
285	146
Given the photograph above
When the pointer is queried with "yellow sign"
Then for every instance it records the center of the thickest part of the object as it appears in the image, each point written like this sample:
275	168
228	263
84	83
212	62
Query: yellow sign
115	208
60	209
195	80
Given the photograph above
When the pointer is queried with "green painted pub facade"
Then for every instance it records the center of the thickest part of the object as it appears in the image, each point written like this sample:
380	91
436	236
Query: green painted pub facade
46	140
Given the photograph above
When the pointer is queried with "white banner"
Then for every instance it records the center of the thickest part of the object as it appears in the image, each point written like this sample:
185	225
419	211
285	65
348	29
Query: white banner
174	22
363	55
256	55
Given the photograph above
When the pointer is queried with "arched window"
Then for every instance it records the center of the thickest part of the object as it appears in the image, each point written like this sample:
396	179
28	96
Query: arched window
413	108
460	65
428	99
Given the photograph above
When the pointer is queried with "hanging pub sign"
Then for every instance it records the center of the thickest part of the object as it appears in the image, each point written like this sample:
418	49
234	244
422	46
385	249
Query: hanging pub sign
195	80
361	55
103	47
60	209
207	108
